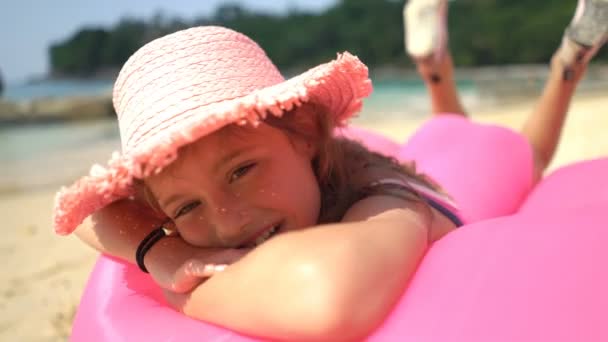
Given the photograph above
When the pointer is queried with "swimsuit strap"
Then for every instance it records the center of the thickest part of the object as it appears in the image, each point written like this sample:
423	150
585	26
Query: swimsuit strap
441	202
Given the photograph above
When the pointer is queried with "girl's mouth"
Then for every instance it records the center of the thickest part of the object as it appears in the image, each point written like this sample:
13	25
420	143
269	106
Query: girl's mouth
274	230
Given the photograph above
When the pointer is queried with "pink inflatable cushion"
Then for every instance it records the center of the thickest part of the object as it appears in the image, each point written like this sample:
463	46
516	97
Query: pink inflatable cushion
529	277
488	170
574	186
121	303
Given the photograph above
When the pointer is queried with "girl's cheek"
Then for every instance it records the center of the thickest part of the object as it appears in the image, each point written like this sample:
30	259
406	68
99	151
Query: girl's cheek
185	233
196	231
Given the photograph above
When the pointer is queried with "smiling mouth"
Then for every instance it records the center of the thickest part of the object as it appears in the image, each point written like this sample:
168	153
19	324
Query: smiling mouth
265	236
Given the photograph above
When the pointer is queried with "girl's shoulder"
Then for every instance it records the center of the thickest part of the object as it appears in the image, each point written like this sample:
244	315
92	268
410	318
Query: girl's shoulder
373	174
363	173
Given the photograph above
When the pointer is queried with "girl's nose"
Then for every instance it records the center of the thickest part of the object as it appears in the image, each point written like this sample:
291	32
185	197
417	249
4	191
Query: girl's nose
231	218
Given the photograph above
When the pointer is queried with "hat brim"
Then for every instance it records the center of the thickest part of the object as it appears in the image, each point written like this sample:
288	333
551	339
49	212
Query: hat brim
338	86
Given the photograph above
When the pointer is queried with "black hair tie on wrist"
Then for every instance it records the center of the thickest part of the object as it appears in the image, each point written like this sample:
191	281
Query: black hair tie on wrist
147	243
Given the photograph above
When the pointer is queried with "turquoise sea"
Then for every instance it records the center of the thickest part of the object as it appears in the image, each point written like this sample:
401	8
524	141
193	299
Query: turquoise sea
51	154
28	91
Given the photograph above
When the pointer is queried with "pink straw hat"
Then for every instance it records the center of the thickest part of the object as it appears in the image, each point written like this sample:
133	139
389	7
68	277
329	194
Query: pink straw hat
183	86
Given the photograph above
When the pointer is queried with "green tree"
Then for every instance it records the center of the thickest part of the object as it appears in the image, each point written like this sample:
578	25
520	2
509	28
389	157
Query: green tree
123	41
81	54
481	33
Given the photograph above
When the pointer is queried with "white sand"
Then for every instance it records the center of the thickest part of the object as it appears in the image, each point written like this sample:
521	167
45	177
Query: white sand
43	274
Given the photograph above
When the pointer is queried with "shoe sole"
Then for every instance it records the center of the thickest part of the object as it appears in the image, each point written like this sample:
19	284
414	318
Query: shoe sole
589	27
424	27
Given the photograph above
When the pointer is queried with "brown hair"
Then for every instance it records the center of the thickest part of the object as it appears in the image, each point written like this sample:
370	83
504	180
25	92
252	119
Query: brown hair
339	159
336	163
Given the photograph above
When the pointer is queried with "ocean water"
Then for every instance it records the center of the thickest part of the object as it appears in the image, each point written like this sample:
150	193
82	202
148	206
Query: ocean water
388	97
407	99
34	156
37	141
51	154
28	91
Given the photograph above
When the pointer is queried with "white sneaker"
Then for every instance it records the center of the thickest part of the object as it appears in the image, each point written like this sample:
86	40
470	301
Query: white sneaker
425	28
587	31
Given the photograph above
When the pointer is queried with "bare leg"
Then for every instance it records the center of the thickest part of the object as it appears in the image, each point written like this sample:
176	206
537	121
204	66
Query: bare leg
585	35
544	126
439	80
426	42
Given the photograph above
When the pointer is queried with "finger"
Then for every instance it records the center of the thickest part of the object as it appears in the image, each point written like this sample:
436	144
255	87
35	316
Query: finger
176	300
187	277
212	269
232	255
184	281
181	302
185	284
205	270
219	268
194	274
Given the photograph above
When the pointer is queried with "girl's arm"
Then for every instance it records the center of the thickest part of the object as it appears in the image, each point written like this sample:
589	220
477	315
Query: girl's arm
335	282
119	228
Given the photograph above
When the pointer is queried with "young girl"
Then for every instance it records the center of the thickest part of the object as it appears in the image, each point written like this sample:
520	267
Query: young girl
296	233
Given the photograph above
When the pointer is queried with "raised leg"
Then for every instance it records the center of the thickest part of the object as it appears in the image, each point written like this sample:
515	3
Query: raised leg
425	23
584	36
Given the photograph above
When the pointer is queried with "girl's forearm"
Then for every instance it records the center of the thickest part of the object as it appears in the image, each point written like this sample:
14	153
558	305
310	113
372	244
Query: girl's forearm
336	281
118	229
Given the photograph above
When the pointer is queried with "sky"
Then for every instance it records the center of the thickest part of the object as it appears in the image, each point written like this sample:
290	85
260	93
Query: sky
28	27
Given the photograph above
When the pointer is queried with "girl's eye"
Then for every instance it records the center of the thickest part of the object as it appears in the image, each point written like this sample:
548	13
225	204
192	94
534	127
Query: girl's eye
241	171
186	208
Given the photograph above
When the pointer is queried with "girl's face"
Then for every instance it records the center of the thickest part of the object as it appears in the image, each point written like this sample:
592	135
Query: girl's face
239	186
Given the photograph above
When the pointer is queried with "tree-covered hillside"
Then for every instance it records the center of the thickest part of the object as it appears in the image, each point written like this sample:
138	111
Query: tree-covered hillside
482	32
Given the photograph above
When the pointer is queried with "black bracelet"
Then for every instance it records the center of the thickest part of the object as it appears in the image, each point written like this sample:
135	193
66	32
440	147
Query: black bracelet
147	243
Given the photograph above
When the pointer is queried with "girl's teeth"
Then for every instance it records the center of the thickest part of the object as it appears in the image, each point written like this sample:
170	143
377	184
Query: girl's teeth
266	235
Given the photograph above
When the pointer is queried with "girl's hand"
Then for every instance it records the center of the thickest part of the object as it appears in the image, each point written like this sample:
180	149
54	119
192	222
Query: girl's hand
179	267
197	269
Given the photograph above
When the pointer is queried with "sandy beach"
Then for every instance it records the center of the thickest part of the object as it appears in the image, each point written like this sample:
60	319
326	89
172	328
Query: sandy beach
45	274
